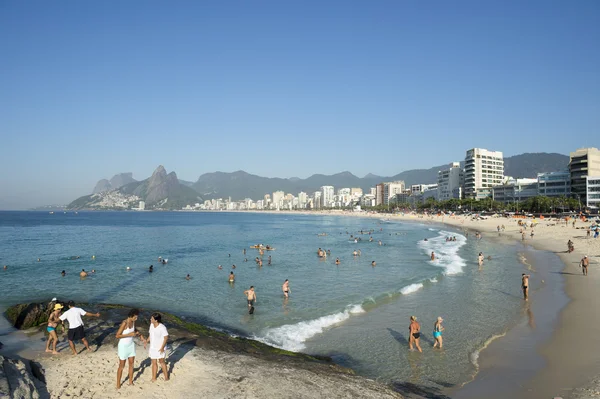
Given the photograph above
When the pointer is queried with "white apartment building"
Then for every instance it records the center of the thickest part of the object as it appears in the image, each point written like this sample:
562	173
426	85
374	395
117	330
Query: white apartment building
583	163
278	199
592	191
302	199
373	191
554	184
514	190
317	199
483	170
450	182
356	192
327	198
390	189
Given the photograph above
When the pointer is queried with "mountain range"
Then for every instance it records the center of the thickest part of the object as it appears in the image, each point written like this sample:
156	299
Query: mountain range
165	191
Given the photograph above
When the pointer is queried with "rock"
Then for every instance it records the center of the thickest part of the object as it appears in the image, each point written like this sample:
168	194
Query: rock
17	380
27	315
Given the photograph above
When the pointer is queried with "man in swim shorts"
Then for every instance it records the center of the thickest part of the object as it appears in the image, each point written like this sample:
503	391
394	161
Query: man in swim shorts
251	296
525	285
286	288
585	262
231	277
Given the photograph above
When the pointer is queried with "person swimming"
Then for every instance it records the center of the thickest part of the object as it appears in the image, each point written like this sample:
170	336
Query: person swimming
63	273
188	277
231	277
151	268
337	261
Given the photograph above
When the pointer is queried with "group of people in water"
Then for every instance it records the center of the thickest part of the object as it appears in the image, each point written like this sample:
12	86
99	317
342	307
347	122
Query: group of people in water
414	334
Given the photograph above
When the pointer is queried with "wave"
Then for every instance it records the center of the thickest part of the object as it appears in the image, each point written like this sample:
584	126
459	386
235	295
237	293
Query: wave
446	251
292	336
409	289
433	280
474	357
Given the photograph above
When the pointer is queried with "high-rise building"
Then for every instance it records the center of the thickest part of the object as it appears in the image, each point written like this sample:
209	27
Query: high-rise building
327	198
483	170
373	191
593	192
379	194
278	199
554	184
390	189
583	163
356	192
302	200
317	199
450	182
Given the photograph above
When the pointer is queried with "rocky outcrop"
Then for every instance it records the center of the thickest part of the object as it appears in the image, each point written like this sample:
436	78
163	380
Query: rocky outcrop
18	380
118	180
102	186
27	315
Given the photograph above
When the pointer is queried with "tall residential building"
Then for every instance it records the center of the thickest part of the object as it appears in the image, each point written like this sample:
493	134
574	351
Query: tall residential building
450	182
390	190
278	199
592	199
554	184
302	200
483	170
356	192
379	194
373	191
583	163
327	198
317	199
267	201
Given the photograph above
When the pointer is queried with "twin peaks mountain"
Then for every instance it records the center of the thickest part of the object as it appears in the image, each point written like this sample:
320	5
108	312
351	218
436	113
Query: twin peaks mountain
165	191
159	191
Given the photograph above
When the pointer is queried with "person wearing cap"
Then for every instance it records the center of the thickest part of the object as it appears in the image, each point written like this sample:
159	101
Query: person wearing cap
53	321
437	332
76	331
585	262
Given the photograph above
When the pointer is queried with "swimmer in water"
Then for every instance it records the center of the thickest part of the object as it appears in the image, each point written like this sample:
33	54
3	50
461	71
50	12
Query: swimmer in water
414	334
233	266
151	269
231	277
337	261
432	256
480	259
63	273
220	267
373	264
188	277
83	273
39	260
286	288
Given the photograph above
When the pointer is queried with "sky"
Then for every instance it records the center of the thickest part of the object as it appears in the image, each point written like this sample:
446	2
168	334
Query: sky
285	89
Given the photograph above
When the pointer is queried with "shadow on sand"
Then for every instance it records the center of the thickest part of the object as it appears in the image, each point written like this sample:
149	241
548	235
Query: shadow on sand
409	389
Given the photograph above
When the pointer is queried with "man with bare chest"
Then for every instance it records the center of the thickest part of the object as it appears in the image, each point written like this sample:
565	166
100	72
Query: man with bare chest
525	285
585	262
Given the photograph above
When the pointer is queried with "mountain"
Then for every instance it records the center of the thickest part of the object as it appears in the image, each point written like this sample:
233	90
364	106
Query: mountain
159	191
239	185
117	181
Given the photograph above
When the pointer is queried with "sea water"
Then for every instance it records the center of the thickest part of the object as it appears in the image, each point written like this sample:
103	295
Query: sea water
354	312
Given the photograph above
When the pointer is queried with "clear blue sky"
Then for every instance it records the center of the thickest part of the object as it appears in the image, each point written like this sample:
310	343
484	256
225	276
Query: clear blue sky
90	89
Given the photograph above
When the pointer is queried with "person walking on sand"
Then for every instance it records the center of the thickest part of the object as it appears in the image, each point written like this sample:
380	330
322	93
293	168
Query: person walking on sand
126	346
53	321
585	262
525	285
437	332
251	296
286	288
76	331
414	331
158	337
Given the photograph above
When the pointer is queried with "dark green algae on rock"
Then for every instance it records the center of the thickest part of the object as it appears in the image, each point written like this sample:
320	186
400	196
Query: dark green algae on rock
102	331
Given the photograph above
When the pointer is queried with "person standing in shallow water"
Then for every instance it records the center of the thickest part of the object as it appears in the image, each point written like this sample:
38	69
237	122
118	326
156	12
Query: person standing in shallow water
158	337
126	346
414	331
286	288
437	332
525	285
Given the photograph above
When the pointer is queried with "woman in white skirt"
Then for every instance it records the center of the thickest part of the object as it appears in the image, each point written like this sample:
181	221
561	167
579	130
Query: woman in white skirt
126	346
158	337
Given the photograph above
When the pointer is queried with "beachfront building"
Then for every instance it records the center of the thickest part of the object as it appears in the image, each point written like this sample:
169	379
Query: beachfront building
368	200
450	182
483	170
515	190
373	191
317	200
583	163
327	198
554	184
592	192
344	196
379	194
302	200
390	189
356	193
278	199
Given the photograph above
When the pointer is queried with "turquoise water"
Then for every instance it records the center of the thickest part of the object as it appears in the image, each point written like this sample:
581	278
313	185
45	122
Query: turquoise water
354	312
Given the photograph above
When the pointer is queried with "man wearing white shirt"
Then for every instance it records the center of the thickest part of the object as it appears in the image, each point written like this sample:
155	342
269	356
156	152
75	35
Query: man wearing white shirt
76	331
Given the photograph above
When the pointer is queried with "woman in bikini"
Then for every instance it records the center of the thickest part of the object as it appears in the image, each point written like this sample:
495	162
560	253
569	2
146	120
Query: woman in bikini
437	332
414	334
53	321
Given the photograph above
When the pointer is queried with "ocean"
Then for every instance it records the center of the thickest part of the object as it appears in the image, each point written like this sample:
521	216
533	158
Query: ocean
354	312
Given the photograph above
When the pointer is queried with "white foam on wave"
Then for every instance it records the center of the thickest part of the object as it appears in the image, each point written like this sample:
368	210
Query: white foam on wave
433	280
409	289
292	336
446	252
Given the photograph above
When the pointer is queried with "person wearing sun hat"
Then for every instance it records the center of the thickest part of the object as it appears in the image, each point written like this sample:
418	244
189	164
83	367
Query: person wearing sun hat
53	321
437	332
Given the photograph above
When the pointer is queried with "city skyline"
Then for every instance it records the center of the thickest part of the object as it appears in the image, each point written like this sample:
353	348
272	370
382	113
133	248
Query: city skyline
91	90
